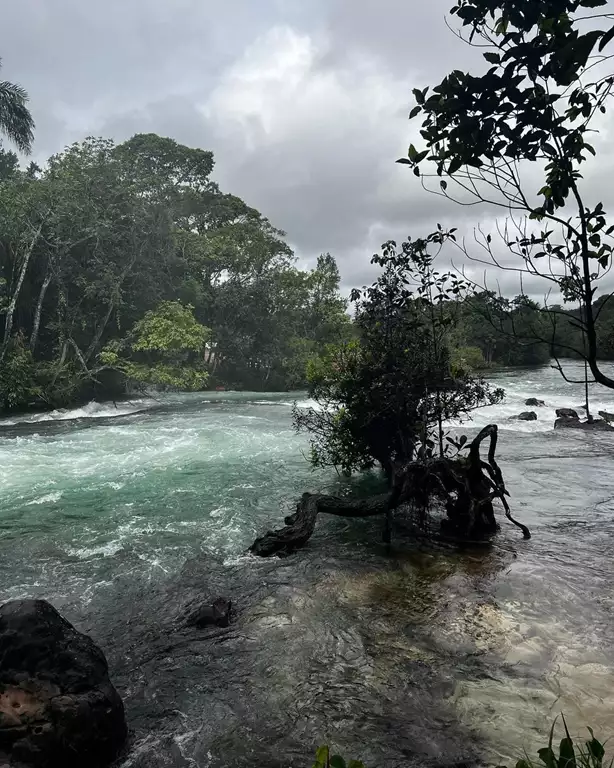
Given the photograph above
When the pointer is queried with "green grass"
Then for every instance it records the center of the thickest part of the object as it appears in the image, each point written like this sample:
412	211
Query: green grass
587	754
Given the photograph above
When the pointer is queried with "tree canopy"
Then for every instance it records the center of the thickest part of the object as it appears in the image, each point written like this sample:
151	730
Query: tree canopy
126	263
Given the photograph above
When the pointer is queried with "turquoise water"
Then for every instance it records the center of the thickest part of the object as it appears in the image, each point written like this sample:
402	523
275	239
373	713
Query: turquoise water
123	517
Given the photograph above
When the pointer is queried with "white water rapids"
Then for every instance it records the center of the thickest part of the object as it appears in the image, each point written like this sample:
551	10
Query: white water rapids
120	514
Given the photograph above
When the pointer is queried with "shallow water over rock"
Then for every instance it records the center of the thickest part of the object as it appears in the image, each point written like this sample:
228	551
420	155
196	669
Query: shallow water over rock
420	656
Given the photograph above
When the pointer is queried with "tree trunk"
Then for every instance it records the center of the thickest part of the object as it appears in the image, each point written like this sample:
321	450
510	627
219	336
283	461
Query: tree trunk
8	325
39	310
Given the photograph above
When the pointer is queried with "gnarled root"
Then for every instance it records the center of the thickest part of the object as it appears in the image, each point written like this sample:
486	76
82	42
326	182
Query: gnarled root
467	486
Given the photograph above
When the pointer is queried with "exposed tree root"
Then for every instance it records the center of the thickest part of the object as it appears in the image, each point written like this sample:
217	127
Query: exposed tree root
467	486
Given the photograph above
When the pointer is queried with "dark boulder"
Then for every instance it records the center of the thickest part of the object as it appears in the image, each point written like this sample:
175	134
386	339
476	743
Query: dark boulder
567	413
526	416
606	416
597	425
57	704
216	614
533	401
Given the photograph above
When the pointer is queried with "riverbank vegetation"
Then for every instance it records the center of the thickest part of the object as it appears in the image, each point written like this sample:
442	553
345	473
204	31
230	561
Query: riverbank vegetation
125	265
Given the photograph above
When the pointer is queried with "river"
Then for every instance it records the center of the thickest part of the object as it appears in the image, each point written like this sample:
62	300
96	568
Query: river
125	517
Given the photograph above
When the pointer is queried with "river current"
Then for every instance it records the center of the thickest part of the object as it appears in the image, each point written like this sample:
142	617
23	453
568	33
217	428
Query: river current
127	517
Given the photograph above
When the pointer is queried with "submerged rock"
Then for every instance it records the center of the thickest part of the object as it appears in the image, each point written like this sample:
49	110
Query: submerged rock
597	425
216	614
535	402
526	416
567	413
57	704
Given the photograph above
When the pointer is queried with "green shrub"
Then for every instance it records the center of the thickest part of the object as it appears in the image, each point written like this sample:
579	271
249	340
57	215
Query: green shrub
325	760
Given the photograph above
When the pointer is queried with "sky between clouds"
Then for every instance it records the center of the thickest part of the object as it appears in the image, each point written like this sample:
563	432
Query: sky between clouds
304	103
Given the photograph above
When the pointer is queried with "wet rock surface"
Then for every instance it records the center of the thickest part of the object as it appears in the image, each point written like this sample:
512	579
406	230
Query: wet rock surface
533	401
306	660
567	413
215	614
57	704
526	416
596	425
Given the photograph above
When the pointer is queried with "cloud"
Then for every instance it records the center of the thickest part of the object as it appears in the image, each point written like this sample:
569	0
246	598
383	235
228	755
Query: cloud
304	104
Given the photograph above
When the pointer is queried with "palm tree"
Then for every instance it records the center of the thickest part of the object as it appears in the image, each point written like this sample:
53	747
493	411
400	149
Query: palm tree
16	122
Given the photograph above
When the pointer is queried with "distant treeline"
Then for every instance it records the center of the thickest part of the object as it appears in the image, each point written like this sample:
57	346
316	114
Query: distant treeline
520	332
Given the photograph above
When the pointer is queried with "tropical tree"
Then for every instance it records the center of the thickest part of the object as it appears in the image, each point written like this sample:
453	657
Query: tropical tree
517	136
16	122
107	234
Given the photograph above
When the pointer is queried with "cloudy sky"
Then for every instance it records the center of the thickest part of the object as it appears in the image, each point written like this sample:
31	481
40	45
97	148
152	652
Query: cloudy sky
304	102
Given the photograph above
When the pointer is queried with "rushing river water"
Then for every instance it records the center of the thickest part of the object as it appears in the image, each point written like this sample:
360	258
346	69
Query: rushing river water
125	517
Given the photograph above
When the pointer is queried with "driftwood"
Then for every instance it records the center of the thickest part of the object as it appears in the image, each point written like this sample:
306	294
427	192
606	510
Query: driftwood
466	486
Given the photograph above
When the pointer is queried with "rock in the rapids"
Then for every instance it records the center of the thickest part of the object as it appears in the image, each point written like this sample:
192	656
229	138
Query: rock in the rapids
567	413
526	416
596	425
533	401
57	704
216	614
606	416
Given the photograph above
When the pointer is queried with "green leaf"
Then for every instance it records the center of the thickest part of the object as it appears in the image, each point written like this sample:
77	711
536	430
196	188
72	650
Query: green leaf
415	111
322	756
567	754
355	764
404	161
337	762
607	38
547	756
412	153
455	165
595	747
493	58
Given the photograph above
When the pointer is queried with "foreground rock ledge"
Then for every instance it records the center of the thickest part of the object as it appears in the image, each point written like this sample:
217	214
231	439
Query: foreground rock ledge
58	707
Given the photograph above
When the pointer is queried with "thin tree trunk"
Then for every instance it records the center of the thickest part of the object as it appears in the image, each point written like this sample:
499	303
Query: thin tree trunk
39	310
80	357
8	325
98	335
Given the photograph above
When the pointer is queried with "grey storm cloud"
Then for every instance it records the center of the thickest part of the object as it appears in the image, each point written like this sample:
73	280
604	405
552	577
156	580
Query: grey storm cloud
304	104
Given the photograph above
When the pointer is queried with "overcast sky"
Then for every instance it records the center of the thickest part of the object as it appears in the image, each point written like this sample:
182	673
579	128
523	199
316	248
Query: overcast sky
303	102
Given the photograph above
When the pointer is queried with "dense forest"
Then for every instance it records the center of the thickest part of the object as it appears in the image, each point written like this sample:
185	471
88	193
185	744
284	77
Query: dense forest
125	266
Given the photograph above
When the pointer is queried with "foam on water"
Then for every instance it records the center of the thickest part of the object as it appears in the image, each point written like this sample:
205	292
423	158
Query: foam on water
93	410
96	515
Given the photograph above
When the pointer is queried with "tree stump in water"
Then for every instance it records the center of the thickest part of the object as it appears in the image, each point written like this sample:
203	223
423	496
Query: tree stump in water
467	487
